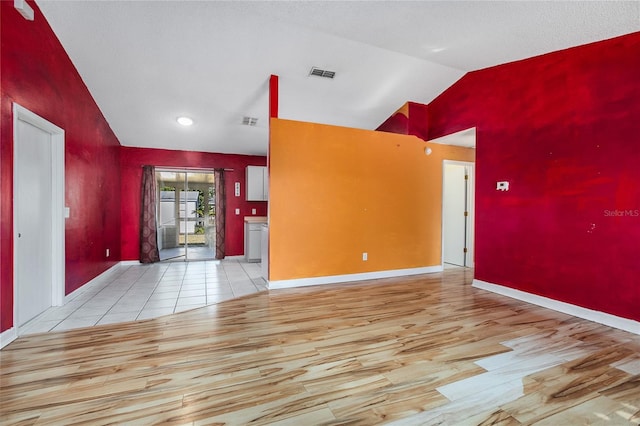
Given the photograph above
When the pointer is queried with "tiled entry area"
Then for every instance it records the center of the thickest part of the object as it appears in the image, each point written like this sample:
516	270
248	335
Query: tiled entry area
135	292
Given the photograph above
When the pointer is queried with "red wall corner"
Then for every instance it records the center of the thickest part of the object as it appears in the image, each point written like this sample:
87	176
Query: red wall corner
273	96
411	119
37	73
563	129
418	121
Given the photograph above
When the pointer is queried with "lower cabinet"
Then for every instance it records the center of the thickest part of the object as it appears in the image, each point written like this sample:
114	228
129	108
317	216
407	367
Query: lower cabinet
252	242
264	267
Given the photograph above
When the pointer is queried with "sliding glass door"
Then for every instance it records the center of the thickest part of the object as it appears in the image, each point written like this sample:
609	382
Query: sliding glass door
186	214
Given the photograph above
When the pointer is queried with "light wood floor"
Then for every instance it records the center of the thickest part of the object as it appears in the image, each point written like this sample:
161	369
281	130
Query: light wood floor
421	350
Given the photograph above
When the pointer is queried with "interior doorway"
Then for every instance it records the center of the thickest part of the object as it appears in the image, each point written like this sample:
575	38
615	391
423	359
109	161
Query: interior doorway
38	215
186	215
457	213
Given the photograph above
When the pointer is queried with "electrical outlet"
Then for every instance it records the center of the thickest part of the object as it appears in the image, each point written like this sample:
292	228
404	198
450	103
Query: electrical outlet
107	252
237	211
253	211
364	256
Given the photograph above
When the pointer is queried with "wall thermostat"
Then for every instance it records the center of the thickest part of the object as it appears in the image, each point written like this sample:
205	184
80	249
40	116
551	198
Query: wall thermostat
503	186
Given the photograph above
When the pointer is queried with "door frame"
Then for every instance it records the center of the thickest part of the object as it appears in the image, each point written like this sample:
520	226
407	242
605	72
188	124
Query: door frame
471	192
57	205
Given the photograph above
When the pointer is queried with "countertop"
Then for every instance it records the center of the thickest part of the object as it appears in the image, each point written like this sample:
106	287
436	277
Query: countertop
255	219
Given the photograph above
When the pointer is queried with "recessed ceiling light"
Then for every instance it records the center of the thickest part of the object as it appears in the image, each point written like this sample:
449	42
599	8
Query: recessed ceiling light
185	121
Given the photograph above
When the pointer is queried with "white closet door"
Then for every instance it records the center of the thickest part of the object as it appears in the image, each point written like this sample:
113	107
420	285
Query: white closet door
33	201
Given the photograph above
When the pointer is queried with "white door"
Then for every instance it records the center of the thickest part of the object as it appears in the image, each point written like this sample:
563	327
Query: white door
455	214
33	222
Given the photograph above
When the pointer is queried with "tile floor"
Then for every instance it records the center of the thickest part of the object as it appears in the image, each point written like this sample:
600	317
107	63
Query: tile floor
136	292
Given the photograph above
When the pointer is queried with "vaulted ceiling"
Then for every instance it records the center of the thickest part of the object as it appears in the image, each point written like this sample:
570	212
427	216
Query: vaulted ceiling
148	62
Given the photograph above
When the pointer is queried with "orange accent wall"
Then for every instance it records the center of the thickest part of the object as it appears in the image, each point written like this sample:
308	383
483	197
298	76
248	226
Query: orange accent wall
337	192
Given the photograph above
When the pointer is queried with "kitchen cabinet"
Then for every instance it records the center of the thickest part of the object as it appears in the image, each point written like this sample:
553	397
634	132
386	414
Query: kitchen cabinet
257	183
253	238
264	266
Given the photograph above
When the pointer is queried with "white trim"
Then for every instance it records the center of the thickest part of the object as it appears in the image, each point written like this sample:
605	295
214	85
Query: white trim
58	217
57	206
137	262
95	281
11	334
334	279
8	336
577	311
25	10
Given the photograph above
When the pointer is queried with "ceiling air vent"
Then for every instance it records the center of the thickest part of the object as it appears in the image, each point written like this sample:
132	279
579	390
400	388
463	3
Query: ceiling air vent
249	121
322	73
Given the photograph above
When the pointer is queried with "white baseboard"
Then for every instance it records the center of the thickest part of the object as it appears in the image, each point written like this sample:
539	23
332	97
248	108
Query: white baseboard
10	335
137	262
567	308
7	337
240	257
334	279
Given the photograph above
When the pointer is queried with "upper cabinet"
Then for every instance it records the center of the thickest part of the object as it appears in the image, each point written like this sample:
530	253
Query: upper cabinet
257	183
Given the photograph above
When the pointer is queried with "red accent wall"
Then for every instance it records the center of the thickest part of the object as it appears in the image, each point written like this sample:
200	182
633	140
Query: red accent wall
411	119
132	160
273	96
564	130
37	73
418	121
397	123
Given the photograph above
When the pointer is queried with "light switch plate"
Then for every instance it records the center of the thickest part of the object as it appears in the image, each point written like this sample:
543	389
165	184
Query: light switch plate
237	189
237	211
253	211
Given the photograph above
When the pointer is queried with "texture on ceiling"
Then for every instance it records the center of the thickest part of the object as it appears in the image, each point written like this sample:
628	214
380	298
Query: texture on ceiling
148	62
465	138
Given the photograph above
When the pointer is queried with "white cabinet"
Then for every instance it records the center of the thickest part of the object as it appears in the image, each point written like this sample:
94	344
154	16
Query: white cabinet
264	267
252	242
257	185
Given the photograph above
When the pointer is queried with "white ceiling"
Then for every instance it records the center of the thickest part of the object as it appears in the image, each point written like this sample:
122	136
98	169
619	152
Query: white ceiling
148	62
465	138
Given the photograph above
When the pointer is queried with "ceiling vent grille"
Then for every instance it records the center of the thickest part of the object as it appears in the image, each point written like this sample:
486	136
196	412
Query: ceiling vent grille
322	73
249	121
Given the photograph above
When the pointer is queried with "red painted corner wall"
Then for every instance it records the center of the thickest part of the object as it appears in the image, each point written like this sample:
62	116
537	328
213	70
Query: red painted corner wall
411	119
418	120
564	130
37	73
397	123
132	160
